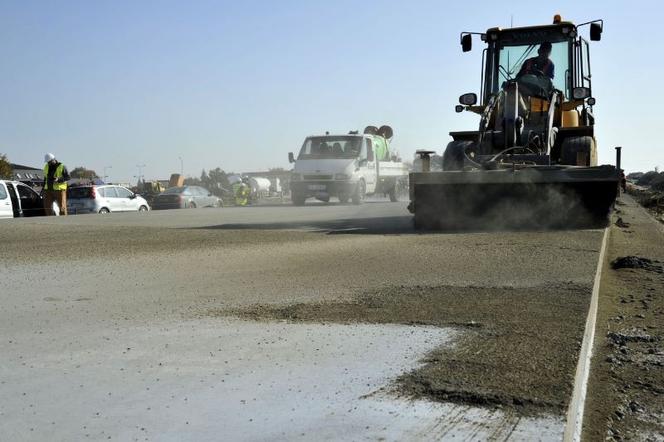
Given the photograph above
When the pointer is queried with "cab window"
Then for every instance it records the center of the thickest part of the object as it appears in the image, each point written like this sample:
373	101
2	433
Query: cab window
3	192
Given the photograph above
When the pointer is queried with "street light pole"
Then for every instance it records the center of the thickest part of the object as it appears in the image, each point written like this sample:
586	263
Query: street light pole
105	174
140	171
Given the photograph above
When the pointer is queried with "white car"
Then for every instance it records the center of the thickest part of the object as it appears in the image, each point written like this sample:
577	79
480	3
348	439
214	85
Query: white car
104	199
19	200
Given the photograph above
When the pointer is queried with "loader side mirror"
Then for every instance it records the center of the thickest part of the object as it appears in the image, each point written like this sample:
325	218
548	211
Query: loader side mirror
458	108
291	158
468	99
595	31
466	42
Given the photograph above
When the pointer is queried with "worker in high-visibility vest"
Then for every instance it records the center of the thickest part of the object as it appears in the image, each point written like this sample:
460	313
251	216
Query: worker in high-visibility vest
55	185
241	190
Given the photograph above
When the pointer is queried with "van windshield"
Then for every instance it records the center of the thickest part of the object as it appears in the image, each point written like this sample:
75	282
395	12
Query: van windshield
330	147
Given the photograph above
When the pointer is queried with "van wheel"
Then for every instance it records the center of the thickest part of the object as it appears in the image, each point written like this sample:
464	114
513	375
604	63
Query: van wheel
298	200
360	193
394	197
104	210
142	209
343	199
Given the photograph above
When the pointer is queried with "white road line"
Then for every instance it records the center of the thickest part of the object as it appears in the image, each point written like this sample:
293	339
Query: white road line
574	421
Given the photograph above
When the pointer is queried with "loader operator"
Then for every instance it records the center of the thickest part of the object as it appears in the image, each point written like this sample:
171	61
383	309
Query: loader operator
540	64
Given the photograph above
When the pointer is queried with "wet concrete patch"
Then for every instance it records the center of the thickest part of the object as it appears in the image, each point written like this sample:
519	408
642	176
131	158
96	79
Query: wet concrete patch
518	350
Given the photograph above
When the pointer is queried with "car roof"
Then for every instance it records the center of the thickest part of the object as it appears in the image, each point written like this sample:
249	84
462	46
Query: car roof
15	182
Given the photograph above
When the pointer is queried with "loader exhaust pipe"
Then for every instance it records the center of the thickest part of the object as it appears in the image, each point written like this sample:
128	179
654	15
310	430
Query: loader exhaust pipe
618	157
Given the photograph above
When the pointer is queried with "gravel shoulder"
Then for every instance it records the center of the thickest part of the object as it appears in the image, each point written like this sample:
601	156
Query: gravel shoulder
626	386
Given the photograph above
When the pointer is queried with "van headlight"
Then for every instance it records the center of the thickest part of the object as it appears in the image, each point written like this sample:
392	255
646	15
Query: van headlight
340	176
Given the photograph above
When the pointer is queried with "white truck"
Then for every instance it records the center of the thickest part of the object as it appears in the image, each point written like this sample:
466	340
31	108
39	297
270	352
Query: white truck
349	167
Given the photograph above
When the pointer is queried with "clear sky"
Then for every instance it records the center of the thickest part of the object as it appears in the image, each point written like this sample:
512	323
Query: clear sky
238	85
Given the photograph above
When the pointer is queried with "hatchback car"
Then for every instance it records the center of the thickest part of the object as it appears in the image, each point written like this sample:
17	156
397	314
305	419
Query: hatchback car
104	199
186	197
18	200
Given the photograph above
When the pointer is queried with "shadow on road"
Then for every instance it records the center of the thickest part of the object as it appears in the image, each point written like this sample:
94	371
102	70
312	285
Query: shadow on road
394	225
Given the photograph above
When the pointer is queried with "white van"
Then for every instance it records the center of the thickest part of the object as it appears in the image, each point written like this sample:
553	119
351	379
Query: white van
348	167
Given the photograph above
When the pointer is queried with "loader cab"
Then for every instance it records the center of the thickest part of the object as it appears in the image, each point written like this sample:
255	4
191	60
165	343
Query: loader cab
508	53
536	93
507	50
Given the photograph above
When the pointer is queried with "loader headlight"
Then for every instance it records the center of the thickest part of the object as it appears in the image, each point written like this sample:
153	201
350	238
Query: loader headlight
580	93
341	176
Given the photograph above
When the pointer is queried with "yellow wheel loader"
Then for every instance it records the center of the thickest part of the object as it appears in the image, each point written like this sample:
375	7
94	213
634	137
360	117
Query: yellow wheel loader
533	160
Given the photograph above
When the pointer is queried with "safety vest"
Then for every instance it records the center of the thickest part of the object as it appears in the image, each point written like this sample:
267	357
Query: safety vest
58	174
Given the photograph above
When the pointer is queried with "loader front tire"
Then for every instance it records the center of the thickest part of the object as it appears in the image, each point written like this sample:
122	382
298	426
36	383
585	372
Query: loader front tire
578	151
454	157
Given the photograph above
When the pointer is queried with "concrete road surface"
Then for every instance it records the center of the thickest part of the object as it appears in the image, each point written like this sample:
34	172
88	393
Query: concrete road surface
106	332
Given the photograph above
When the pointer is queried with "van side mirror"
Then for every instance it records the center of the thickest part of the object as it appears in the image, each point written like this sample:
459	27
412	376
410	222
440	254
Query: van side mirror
291	157
595	31
466	42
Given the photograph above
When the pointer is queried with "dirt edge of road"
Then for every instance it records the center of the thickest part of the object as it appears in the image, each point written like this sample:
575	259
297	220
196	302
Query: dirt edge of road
626	386
652	200
518	347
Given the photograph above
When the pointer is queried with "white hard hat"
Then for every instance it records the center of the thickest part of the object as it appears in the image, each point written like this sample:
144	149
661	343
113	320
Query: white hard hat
49	157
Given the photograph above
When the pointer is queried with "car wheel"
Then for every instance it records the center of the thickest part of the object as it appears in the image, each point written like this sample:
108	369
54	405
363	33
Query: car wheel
143	209
104	210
